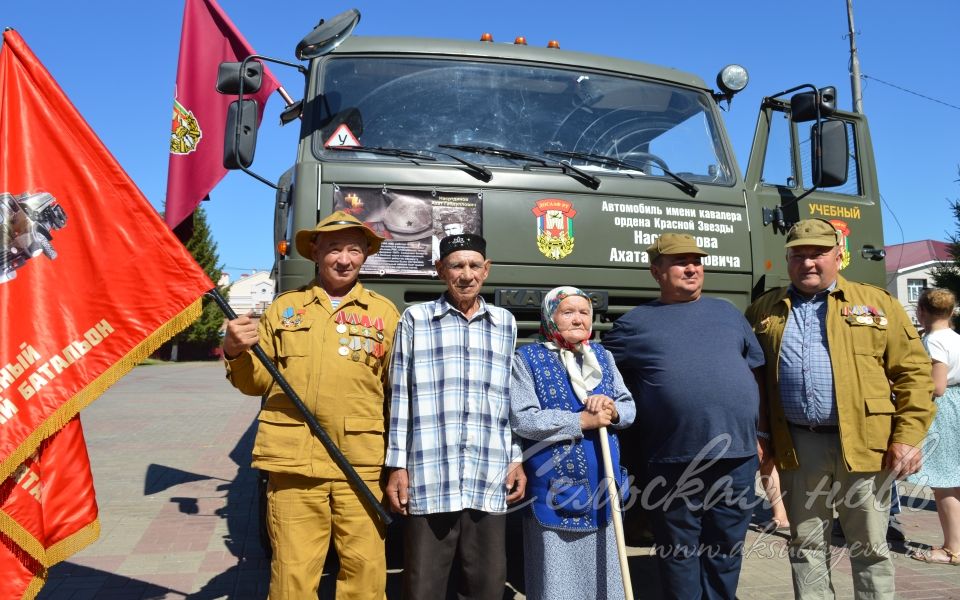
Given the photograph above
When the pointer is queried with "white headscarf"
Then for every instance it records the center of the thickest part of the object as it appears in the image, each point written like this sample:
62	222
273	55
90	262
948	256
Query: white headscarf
585	375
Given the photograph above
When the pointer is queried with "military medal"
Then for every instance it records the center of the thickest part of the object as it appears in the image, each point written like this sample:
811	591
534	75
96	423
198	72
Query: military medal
343	351
355	345
365	321
341	328
288	319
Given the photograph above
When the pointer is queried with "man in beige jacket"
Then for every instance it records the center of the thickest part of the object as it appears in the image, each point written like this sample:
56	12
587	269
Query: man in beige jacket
849	399
332	340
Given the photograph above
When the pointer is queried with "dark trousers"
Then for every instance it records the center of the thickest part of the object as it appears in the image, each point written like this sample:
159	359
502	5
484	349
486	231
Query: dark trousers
699	521
431	542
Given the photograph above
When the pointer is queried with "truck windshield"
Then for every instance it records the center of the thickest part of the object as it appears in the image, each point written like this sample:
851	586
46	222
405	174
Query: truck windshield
423	103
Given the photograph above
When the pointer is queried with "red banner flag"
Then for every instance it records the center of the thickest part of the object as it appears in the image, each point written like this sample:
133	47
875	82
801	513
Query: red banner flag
199	112
91	282
48	506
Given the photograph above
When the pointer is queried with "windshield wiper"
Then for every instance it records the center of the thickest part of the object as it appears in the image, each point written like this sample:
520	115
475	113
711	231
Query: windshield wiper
681	183
480	172
580	175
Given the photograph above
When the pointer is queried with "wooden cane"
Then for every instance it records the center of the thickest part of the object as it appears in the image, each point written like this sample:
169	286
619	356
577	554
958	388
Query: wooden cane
615	510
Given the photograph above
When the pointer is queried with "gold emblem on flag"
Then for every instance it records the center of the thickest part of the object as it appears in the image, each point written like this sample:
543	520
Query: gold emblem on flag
185	132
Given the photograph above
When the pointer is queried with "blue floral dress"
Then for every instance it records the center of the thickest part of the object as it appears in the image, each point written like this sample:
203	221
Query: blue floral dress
941	448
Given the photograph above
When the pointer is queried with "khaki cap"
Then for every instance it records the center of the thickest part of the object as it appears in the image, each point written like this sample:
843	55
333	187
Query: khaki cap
335	222
812	232
674	243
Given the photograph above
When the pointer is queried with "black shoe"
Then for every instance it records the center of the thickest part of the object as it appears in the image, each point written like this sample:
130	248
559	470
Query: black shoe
895	530
837	531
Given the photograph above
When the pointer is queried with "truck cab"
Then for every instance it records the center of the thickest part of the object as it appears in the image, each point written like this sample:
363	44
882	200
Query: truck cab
569	164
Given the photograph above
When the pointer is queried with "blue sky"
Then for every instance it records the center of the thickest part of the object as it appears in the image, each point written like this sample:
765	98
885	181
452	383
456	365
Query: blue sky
117	62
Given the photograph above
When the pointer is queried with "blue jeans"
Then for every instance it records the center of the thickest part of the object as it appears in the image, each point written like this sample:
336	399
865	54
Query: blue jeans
700	514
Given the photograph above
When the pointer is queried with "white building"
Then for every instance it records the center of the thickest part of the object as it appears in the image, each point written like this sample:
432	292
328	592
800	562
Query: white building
251	293
910	269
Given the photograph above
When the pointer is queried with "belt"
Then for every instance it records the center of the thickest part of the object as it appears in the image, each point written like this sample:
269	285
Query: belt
817	428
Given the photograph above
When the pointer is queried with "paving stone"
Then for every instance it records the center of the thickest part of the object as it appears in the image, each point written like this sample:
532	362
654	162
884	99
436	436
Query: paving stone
170	451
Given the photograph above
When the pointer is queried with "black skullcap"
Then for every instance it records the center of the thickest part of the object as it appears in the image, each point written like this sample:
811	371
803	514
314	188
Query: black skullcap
463	241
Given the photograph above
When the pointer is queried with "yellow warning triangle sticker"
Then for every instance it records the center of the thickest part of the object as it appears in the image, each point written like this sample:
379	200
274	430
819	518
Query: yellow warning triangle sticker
342	137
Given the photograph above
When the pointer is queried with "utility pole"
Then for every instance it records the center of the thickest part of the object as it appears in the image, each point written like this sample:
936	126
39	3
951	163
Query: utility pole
854	63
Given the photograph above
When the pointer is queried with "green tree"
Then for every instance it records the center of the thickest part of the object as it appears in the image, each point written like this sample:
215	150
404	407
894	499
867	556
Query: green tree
200	339
948	275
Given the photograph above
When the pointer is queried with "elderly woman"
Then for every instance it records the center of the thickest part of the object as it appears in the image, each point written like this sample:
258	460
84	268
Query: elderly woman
563	390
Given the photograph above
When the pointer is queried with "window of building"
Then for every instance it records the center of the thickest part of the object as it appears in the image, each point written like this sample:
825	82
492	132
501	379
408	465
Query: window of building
914	287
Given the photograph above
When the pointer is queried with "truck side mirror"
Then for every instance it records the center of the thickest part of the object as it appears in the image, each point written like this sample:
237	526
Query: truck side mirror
803	106
830	168
240	136
327	35
229	76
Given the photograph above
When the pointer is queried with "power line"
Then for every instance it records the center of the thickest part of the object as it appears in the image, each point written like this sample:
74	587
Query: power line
893	85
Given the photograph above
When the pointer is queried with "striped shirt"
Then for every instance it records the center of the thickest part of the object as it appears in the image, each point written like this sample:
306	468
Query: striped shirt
806	373
450	407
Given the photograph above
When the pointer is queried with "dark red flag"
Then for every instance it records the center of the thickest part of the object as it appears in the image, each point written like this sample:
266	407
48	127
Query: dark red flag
199	111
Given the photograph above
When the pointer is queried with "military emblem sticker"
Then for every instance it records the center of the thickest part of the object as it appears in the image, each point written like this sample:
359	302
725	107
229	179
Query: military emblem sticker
844	230
554	227
185	132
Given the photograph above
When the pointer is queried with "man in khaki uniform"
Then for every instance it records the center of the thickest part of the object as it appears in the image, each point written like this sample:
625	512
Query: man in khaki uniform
332	341
835	352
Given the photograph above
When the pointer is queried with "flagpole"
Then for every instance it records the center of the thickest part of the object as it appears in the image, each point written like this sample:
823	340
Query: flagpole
616	509
352	476
286	97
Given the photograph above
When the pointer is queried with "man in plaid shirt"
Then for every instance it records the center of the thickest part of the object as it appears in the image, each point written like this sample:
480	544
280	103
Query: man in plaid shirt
455	462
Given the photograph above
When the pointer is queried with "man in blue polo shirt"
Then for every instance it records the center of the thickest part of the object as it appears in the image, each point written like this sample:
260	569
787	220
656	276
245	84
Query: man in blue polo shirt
688	361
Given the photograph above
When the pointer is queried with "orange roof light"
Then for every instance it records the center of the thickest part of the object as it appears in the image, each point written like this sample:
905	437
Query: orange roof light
486	37
520	41
553	44
282	247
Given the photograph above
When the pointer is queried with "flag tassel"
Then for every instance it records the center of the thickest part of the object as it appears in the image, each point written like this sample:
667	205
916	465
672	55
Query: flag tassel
95	388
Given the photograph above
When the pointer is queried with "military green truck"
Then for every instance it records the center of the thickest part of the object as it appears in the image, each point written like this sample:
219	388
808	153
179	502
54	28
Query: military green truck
569	164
